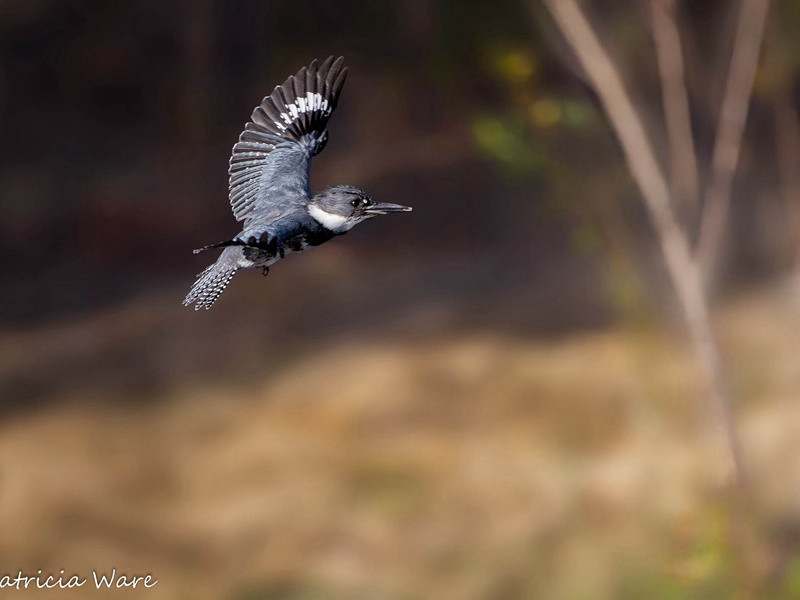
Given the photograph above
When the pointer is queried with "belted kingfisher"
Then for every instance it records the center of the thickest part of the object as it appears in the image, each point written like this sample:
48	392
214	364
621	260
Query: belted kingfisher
269	182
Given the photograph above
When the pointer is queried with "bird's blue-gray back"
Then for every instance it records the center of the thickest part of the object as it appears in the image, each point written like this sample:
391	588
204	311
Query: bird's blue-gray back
269	166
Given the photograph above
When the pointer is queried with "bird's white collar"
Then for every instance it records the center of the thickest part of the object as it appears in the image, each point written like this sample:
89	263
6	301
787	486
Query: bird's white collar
333	222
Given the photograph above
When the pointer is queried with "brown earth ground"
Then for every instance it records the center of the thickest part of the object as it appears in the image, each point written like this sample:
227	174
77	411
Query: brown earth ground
465	465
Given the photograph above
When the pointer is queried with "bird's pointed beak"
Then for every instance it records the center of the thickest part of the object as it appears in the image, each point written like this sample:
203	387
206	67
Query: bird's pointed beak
383	208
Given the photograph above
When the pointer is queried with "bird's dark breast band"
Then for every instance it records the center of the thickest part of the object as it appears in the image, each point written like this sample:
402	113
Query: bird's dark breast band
272	246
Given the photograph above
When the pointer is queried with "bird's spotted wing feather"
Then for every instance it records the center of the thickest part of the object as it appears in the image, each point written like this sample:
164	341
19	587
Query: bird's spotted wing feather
287	129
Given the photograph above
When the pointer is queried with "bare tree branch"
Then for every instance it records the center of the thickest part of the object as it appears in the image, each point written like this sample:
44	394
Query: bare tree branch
669	54
683	270
732	117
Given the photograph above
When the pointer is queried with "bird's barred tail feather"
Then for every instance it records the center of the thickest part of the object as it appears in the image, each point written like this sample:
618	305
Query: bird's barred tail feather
212	281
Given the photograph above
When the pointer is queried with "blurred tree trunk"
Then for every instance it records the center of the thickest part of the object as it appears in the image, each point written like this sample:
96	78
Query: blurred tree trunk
683	270
675	98
728	141
787	138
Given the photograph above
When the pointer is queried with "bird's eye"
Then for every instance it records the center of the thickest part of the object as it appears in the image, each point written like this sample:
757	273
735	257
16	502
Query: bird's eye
354	203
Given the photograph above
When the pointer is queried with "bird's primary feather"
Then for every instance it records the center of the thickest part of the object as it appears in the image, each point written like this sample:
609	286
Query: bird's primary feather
270	162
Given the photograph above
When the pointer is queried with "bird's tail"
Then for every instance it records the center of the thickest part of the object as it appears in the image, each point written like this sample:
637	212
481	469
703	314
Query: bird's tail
211	282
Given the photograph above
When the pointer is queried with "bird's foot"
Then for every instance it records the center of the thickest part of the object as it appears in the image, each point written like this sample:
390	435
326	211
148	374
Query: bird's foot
265	271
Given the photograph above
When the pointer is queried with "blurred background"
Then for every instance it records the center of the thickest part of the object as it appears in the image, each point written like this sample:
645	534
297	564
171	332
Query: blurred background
491	397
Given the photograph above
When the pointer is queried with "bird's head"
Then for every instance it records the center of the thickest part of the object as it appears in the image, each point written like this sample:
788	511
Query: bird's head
340	207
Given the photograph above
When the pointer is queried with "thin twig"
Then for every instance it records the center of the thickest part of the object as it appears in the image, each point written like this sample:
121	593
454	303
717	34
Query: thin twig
669	55
683	270
732	117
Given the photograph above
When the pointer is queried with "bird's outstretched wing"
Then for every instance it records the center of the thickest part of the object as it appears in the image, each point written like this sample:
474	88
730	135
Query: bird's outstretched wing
270	162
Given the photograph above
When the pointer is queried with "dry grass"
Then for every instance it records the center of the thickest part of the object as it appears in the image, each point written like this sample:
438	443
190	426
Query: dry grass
466	466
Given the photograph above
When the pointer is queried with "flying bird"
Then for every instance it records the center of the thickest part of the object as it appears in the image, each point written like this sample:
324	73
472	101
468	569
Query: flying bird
269	188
